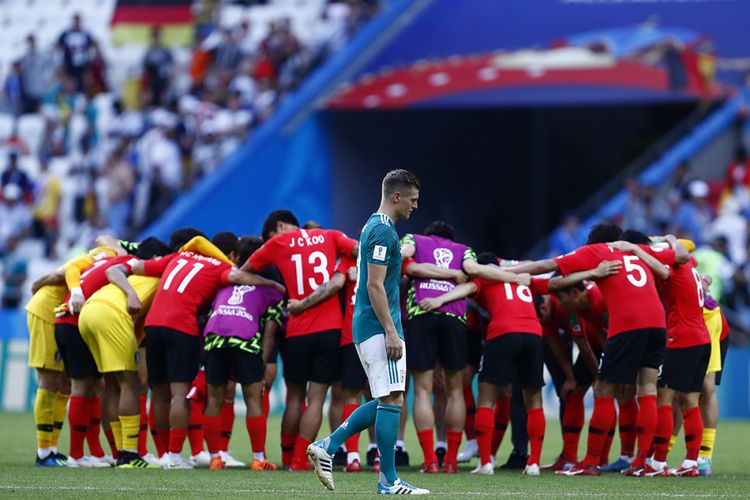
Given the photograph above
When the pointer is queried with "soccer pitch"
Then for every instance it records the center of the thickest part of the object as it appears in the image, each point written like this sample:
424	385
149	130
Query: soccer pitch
19	477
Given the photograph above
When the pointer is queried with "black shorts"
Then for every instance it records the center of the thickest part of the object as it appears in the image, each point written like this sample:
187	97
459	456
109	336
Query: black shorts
724	345
232	362
78	361
684	369
627	352
351	373
513	353
582	372
436	336
311	358
473	348
172	356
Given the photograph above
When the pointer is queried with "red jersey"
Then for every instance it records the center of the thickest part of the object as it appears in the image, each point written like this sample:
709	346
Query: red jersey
683	296
306	259
560	320
188	281
349	287
92	279
595	318
630	295
511	306
591	331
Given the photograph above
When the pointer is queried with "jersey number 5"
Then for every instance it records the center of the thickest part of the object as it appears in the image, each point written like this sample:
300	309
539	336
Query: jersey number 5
632	269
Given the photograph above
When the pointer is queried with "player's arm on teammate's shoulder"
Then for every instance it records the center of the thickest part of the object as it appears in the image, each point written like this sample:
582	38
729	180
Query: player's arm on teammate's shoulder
54	278
459	292
534	267
426	271
239	277
681	254
656	266
494	273
117	275
379	299
604	269
322	293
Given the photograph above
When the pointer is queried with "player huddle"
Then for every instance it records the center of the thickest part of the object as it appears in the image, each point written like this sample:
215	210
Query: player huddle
189	320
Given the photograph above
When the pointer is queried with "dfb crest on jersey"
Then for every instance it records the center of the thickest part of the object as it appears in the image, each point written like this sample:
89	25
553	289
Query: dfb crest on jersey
238	293
443	257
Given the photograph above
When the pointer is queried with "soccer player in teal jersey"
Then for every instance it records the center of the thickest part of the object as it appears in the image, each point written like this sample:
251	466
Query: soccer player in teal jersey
378	337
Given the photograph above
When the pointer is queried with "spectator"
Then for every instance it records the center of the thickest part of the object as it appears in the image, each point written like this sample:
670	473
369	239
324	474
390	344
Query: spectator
12	175
646	213
47	195
228	57
15	217
733	227
694	215
36	74
12	90
97	71
75	44
157	69
15	271
676	188
114	189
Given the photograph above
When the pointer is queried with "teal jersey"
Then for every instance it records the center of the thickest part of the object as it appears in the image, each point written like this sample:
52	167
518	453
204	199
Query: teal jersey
379	245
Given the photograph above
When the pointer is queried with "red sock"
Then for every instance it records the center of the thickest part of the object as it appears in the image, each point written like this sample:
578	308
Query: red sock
352	444
427	442
693	432
177	439
79	425
471	410
607	446
602	420
160	436
300	450
256	429
143	431
287	448
212	426
502	417
95	423
454	442
664	427
227	423
571	426
266	402
195	427
484	425
110	436
645	426
628	414
535	425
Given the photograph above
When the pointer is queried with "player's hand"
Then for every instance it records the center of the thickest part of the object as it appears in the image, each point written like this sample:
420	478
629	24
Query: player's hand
523	279
75	303
394	347
607	268
461	278
623	246
430	304
294	307
134	306
568	386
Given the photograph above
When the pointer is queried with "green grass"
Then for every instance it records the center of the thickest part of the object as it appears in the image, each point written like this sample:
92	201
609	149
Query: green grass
19	477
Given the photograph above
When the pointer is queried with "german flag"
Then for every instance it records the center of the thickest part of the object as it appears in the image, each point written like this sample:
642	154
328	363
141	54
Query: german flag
133	21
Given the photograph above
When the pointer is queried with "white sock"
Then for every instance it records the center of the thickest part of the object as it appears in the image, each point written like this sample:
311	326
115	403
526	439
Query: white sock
658	465
352	456
53	449
260	456
214	455
441	444
43	452
690	463
471	442
174	456
373	446
401	444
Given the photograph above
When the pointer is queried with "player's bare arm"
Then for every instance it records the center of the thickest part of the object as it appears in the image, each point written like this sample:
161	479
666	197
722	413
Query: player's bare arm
117	275
379	300
415	270
408	250
584	347
54	278
604	269
535	267
269	334
681	254
555	344
659	269
321	294
238	277
460	292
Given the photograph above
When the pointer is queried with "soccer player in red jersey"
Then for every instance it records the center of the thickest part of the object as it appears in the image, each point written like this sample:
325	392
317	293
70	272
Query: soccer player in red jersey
514	342
685	361
173	341
306	259
635	347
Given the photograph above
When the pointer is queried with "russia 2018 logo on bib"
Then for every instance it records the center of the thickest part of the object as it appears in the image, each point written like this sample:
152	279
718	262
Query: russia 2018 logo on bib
238	293
443	257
